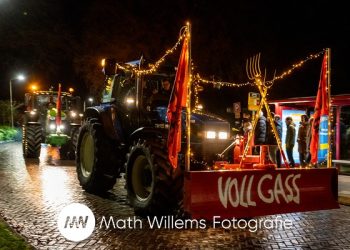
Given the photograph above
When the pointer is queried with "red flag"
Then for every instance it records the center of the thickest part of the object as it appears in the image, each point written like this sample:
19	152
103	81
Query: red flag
177	102
58	108
321	108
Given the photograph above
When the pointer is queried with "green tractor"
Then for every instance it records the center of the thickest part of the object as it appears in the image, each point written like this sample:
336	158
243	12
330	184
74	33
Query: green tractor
128	133
48	120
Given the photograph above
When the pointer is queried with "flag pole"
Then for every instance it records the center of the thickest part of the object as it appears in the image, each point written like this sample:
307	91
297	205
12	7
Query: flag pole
188	106
329	155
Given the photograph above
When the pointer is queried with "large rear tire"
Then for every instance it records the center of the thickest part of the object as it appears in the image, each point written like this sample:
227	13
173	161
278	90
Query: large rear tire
96	158
31	140
154	187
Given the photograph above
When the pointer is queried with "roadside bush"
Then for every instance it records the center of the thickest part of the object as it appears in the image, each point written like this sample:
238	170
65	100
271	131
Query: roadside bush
8	133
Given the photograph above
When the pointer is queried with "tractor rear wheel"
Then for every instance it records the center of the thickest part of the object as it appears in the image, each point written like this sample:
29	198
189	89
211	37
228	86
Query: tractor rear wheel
154	187
31	140
96	162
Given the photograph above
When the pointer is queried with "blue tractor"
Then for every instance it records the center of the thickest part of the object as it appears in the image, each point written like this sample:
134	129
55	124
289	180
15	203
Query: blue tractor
127	133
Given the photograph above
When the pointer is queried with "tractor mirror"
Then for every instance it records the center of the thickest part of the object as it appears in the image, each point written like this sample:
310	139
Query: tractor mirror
109	66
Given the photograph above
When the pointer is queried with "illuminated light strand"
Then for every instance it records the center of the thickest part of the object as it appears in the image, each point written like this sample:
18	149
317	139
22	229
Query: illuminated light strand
269	83
196	97
298	65
221	83
153	67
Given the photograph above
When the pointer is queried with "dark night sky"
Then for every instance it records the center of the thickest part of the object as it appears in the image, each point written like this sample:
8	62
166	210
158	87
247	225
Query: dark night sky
63	41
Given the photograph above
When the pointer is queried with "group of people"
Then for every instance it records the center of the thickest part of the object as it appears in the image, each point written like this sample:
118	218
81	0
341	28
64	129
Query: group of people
264	135
303	139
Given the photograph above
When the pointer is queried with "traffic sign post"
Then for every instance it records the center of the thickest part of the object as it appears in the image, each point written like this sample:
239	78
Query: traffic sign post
253	101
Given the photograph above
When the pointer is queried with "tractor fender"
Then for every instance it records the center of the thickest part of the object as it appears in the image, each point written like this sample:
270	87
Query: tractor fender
104	115
146	132
28	118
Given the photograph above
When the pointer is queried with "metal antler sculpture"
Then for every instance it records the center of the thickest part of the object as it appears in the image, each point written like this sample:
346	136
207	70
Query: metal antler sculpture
254	74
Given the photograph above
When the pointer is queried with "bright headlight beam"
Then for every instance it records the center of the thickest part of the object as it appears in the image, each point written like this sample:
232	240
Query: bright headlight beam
223	135
130	100
210	134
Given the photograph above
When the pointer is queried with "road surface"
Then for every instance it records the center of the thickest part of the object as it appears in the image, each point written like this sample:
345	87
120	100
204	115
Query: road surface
33	192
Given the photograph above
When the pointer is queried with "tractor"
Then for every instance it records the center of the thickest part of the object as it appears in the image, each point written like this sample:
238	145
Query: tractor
129	133
40	125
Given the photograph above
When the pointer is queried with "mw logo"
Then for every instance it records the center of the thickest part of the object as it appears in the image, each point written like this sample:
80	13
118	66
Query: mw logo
75	221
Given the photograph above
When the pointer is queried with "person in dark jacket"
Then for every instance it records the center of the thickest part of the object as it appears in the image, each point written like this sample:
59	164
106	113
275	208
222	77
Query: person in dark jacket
308	140
303	140
260	131
290	140
274	152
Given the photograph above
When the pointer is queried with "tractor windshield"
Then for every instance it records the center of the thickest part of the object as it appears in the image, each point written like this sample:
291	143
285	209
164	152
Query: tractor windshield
50	101
156	90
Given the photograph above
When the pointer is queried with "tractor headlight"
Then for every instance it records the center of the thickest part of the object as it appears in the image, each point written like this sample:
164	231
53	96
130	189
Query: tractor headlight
62	127
130	100
223	135
81	115
32	112
73	114
210	134
52	126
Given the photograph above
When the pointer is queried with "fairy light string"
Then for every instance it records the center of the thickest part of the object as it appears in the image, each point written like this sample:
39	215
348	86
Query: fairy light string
298	65
269	84
153	67
198	80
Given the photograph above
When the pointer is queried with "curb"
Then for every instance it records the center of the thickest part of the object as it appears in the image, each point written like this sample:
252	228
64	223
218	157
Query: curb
1	142
344	200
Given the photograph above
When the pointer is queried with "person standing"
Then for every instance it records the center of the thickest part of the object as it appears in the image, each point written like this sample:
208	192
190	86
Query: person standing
302	140
271	140
308	140
290	140
247	129
260	132
278	124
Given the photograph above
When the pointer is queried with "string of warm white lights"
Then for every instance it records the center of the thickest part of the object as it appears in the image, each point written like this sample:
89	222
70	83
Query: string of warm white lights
279	77
269	84
298	65
154	66
221	83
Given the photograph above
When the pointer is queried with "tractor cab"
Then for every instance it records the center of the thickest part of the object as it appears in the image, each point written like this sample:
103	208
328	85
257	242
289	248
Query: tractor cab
142	102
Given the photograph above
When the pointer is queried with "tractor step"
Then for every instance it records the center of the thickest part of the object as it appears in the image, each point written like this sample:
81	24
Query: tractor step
244	193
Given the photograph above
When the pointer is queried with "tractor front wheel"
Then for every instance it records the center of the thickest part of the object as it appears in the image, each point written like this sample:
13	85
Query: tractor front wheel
31	140
67	151
154	187
96	162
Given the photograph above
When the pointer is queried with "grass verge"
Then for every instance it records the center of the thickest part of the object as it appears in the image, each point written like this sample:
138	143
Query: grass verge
9	240
7	133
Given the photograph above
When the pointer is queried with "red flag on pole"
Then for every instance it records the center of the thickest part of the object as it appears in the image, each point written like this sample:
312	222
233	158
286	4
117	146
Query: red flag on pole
321	108
177	102
58	108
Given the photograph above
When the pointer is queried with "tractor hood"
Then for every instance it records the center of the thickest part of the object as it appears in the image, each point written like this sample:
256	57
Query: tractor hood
202	117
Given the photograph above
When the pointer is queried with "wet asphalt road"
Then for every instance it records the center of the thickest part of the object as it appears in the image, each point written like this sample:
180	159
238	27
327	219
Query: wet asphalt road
33	192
